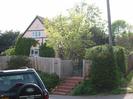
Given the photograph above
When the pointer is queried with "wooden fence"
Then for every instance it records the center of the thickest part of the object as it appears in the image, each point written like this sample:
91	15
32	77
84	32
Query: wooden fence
63	68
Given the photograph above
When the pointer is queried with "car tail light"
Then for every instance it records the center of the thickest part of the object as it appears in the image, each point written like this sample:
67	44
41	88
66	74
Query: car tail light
4	98
46	97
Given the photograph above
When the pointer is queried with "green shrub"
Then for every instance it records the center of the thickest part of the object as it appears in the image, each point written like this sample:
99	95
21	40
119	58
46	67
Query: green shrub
129	62
9	52
18	62
50	80
46	51
85	88
23	46
129	76
104	72
120	59
118	91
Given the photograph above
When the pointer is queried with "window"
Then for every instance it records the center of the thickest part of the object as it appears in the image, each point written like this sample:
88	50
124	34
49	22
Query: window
8	81
33	34
36	34
36	52
39	33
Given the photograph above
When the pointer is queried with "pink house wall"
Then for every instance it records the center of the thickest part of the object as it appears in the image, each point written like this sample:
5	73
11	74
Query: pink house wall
36	26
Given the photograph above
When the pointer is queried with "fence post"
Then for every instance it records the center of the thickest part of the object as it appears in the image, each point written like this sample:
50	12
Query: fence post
59	68
83	69
53	65
86	68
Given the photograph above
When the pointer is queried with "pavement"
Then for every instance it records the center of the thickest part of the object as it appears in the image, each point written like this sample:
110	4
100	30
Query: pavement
123	96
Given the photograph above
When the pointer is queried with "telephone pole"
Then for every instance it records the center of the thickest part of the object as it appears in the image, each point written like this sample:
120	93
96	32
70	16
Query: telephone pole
109	23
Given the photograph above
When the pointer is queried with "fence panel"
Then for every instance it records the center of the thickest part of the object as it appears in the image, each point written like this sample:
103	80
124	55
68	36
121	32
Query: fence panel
66	68
63	68
3	61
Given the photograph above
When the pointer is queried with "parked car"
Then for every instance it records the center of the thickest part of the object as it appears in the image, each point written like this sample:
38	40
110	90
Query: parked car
22	84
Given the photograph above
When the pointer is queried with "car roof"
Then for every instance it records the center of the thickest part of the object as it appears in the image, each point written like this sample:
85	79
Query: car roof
17	70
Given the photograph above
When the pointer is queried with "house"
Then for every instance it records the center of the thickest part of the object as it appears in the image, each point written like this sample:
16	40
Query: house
36	30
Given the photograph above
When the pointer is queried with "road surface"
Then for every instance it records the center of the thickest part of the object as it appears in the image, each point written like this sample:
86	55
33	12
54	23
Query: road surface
127	96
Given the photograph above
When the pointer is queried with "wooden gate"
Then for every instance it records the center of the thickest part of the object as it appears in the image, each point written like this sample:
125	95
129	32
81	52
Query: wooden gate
78	68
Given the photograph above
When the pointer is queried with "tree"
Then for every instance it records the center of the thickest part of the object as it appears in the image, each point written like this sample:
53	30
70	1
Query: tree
70	35
46	51
125	40
119	27
99	36
23	45
8	39
122	34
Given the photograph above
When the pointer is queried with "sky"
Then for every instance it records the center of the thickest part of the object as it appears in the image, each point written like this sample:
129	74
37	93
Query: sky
18	14
120	9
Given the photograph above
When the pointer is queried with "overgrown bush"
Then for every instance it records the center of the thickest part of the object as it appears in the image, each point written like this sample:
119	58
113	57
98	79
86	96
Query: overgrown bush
85	88
23	46
107	70
50	80
104	72
16	62
120	59
130	63
129	76
46	51
118	91
9	52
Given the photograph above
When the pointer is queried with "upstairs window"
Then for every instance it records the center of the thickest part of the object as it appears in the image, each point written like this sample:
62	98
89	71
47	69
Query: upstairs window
36	34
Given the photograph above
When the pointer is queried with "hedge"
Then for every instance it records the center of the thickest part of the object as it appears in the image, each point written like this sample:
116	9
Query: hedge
17	62
104	71
23	45
46	51
50	80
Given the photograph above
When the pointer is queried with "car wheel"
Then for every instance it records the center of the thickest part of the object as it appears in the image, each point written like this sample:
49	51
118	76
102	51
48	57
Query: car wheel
30	91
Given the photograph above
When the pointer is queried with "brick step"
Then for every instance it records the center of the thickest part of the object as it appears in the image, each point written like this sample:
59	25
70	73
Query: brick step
62	90
75	78
68	84
65	87
59	93
73	81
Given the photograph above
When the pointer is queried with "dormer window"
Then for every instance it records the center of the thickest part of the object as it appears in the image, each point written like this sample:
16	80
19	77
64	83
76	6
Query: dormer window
36	34
33	34
39	34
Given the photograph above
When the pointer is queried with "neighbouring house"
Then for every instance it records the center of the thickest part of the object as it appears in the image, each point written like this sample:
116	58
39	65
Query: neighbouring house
36	30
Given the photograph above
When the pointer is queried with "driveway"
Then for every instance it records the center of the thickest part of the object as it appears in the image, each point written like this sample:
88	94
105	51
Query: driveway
127	96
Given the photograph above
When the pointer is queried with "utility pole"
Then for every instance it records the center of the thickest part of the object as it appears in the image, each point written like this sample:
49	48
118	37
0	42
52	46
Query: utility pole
109	23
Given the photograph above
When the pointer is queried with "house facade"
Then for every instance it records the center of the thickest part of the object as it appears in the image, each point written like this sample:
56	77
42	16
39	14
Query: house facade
36	30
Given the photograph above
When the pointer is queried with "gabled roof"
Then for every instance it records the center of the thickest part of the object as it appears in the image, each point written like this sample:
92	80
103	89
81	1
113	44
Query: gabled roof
41	19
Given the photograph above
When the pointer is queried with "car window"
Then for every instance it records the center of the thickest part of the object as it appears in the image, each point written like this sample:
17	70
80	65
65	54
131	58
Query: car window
8	81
